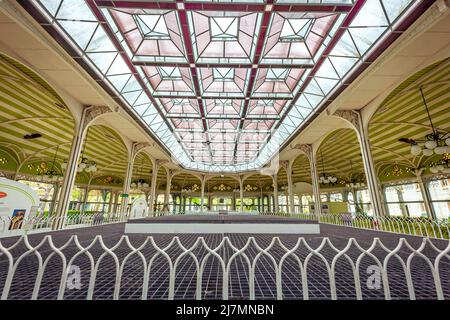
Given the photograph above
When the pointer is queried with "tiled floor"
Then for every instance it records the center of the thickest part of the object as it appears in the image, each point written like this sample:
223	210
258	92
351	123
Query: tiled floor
185	283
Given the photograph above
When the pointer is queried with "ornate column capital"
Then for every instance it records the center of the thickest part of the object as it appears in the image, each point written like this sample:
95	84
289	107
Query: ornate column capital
173	172
160	162
138	146
93	112
306	148
285	164
349	115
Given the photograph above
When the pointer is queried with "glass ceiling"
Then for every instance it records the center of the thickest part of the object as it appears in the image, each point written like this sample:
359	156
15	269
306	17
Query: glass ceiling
223	84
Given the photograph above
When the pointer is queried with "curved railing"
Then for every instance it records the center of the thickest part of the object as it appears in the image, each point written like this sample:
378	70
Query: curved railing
46	223
229	269
424	227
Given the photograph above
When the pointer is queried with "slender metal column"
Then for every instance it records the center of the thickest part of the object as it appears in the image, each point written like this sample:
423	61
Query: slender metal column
153	188
88	115
56	188
315	184
70	173
241	193
167	193
426	198
275	193
287	165
126	185
369	168
202	196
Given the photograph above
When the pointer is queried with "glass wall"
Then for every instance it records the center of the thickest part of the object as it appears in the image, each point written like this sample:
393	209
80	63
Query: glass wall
336	197
440	197
76	198
97	201
45	192
405	200
361	204
307	200
224	203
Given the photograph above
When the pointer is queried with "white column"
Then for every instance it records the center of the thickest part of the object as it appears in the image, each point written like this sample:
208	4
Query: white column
300	203
275	193
167	193
315	184
70	173
111	199
290	190
425	197
202	197
126	185
369	168
241	193
88	115
153	187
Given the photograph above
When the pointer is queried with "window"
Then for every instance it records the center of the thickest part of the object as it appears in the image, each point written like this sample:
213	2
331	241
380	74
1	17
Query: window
223	74
277	74
440	197
45	192
306	201
97	201
152	26
76	198
405	200
361	204
170	73
336	197
295	29
224	28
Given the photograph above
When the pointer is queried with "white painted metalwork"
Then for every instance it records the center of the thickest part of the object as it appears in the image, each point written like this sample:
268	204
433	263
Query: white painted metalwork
436	260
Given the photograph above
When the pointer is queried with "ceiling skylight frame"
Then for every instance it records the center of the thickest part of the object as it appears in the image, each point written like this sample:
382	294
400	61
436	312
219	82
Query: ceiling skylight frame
311	96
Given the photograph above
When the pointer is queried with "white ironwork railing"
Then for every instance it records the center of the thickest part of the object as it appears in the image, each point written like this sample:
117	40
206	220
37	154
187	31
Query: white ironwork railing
424	227
439	229
9	226
353	272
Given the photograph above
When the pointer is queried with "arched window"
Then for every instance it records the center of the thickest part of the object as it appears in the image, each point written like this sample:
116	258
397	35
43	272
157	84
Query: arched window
405	200
440	197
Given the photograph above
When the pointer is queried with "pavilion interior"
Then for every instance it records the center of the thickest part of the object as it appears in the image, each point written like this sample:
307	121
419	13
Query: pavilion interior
250	106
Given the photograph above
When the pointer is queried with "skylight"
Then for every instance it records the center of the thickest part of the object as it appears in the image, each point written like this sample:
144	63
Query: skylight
224	28
277	74
296	29
223	74
253	76
152	26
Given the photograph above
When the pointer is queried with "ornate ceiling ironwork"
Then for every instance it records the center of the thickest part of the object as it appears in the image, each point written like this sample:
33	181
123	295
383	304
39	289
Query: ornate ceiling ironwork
221	84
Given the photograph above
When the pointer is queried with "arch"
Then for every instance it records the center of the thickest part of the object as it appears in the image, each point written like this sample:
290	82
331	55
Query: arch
339	155
301	170
402	115
33	106
142	170
30	76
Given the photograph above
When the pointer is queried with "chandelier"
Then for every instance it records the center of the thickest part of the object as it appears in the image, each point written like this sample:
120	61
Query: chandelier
50	174
139	184
436	142
84	164
441	166
354	182
326	178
